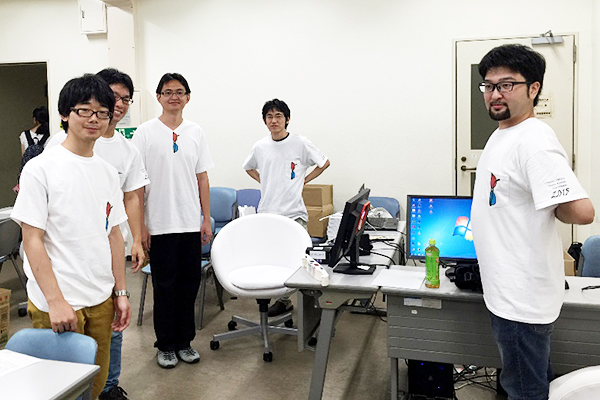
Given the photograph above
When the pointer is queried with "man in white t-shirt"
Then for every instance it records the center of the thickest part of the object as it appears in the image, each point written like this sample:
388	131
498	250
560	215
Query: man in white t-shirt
523	183
70	207
113	148
280	162
176	156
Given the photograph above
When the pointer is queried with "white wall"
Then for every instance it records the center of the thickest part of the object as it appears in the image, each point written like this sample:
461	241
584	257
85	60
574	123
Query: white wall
369	82
49	31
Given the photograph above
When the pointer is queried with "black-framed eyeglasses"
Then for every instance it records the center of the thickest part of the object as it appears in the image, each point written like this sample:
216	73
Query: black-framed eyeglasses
87	113
169	93
125	100
503	87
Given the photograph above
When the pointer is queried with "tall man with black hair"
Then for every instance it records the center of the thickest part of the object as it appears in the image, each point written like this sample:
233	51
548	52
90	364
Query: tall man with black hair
70	207
280	162
523	183
177	159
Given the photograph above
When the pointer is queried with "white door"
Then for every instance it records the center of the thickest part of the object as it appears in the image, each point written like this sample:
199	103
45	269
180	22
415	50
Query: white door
474	126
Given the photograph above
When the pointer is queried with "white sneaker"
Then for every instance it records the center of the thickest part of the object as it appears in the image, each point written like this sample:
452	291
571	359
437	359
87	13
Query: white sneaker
166	359
188	355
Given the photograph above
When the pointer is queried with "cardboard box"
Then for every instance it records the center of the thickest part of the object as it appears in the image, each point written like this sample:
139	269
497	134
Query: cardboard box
569	264
315	227
4	316
317	195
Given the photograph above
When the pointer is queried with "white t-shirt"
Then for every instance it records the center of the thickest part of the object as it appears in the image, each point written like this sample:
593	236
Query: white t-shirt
522	175
76	201
119	153
35	136
282	166
172	159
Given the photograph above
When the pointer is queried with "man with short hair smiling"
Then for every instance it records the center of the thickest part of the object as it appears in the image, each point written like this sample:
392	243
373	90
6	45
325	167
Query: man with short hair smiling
177	159
280	162
70	207
523	183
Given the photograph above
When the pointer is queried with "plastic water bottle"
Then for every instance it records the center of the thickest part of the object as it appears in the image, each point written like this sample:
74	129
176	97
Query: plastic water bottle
432	265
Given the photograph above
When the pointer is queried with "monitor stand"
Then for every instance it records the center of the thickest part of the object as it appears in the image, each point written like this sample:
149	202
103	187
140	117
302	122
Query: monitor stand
353	267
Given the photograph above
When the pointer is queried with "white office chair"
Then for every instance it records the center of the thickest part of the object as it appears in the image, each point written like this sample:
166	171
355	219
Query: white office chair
253	257
582	384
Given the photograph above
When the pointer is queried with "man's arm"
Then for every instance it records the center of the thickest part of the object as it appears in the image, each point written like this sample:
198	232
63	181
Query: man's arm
316	172
254	174
117	250
133	208
580	212
62	315
204	189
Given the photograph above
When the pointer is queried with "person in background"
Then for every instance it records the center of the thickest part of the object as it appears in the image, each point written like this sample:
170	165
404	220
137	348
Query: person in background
280	162
39	134
113	148
69	208
177	159
523	184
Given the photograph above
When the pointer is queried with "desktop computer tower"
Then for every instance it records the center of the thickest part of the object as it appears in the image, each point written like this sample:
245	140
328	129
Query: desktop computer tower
430	380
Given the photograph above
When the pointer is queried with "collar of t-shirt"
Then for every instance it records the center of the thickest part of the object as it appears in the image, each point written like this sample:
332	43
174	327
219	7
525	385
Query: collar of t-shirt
282	139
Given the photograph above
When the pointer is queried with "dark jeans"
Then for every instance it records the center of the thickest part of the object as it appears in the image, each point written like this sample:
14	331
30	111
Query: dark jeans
175	261
525	352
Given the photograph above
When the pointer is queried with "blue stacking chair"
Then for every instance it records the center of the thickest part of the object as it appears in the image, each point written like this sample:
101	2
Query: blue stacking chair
389	203
248	197
589	262
223	206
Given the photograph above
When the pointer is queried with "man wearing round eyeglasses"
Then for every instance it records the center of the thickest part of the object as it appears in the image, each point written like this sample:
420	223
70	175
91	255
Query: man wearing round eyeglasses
70	207
113	148
177	158
523	183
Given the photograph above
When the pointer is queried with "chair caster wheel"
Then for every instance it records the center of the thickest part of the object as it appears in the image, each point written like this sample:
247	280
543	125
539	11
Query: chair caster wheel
268	357
22	312
312	341
289	323
214	344
231	325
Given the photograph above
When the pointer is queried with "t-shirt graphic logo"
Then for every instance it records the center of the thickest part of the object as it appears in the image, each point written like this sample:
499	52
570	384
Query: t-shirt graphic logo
175	147
463	228
493	183
293	173
108	209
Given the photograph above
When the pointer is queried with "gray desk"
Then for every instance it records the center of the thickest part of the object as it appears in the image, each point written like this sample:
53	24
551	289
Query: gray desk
48	380
320	307
453	326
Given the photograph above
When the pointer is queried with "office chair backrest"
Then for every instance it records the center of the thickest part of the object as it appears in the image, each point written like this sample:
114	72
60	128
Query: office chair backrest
43	343
10	233
590	257
389	203
249	197
223	205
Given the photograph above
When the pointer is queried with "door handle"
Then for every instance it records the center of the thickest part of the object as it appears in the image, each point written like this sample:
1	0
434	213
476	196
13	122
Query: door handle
465	168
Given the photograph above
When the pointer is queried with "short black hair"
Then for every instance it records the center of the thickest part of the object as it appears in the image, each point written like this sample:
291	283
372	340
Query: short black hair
81	90
172	76
518	58
42	117
112	76
278	105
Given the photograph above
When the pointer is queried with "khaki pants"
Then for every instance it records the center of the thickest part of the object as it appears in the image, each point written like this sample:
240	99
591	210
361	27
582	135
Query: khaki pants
91	321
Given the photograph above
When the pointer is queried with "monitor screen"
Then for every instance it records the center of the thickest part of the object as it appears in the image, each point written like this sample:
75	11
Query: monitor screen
447	219
345	251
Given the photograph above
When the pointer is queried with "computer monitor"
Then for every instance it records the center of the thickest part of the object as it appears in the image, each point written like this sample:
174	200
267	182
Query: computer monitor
345	251
447	219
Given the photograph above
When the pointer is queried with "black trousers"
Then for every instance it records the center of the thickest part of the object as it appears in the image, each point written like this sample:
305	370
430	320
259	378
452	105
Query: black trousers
175	261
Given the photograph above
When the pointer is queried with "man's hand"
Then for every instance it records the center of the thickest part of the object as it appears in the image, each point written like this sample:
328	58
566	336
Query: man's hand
137	256
62	317
205	232
122	314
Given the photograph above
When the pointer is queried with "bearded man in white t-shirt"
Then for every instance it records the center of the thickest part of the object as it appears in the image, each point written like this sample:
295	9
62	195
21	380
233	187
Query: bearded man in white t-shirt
523	183
70	207
177	158
280	162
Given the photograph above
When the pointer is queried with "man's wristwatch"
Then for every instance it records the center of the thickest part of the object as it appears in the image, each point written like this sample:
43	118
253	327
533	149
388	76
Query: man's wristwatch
123	292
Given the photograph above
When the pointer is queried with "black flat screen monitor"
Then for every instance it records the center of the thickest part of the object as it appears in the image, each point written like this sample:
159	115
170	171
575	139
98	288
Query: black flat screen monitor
344	254
447	219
